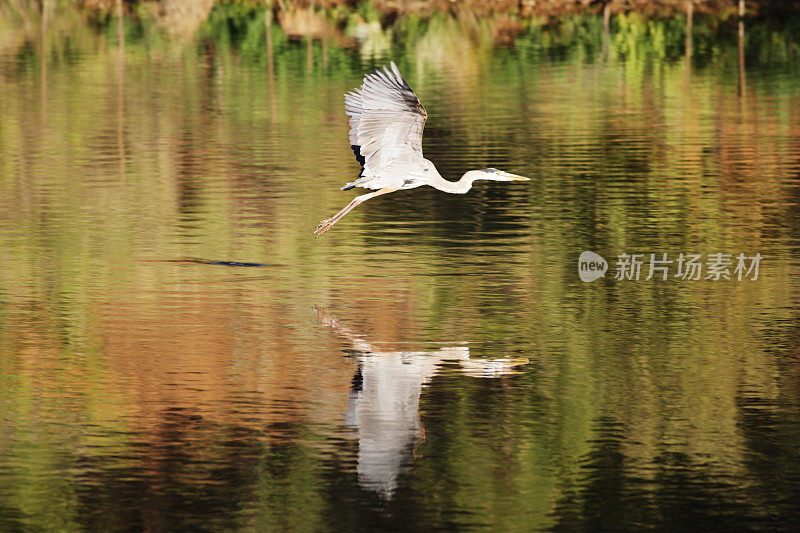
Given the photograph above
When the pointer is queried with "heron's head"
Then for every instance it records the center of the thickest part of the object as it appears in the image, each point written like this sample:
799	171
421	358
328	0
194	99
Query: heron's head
498	175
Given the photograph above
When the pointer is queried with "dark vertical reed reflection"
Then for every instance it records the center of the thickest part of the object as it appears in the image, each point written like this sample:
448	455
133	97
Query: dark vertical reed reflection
309	40
677	493
268	12
606	36
120	90
740	41
43	56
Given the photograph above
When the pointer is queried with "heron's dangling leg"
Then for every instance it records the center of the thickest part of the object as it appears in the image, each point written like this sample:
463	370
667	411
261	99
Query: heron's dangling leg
326	224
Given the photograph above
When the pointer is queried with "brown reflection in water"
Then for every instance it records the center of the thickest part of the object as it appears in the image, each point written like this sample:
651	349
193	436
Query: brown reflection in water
212	353
180	18
688	49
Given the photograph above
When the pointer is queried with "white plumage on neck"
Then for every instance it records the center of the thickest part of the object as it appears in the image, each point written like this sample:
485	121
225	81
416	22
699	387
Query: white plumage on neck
465	183
457	187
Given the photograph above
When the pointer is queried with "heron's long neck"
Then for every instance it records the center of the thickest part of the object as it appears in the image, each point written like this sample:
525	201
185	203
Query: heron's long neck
455	187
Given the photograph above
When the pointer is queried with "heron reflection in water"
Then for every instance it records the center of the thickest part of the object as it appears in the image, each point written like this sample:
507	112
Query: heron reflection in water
386	122
384	401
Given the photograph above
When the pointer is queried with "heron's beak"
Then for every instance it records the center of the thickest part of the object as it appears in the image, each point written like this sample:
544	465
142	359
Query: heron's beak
514	177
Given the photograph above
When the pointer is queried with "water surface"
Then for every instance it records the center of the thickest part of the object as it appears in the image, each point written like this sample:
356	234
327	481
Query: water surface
178	353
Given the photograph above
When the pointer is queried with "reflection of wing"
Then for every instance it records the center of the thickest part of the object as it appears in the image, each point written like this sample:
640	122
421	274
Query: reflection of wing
386	415
386	121
492	368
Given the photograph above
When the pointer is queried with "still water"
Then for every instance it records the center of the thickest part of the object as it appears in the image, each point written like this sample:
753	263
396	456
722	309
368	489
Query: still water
178	353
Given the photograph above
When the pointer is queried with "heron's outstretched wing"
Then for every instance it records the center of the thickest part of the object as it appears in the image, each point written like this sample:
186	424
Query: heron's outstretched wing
386	120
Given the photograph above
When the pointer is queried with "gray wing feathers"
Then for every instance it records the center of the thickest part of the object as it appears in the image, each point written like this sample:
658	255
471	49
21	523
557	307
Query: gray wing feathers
386	120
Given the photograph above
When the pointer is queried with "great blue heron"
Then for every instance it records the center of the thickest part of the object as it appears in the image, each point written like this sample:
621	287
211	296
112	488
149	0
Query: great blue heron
386	122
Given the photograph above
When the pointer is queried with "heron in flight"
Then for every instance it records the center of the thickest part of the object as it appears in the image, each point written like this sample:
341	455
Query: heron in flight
386	122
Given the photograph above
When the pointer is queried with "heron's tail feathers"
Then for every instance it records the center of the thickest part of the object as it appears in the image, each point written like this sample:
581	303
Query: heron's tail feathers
359	182
368	182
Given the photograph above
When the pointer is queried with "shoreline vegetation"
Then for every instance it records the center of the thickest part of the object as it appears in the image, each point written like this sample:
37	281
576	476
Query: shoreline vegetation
520	8
376	27
22	20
